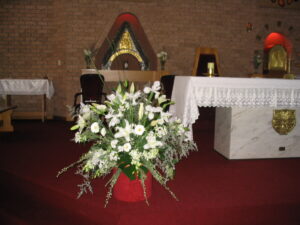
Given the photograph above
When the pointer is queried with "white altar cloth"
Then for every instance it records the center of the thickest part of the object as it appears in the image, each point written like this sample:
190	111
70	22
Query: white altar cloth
26	87
191	92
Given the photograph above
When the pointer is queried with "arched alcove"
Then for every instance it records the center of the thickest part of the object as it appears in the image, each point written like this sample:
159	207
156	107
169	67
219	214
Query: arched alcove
277	52
126	47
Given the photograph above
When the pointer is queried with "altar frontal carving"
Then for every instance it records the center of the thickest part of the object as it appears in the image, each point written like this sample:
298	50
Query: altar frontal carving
284	121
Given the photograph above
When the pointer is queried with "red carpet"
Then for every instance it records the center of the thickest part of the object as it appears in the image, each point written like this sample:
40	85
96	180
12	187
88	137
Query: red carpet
211	189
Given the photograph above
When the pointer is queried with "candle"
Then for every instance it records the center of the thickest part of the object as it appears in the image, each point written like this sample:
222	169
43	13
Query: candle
210	67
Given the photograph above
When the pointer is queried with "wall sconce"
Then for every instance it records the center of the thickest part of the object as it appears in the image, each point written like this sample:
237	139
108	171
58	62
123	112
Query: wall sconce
249	27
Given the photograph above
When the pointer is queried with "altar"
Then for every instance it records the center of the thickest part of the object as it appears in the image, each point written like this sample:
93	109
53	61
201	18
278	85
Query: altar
244	113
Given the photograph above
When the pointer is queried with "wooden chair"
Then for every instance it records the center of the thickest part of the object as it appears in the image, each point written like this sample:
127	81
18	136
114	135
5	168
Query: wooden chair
202	57
167	82
91	90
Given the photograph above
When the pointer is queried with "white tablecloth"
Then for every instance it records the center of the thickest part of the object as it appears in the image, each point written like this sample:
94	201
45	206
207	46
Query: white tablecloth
191	92
26	87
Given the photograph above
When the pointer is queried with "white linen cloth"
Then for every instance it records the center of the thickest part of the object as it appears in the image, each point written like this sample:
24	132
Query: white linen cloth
189	92
26	87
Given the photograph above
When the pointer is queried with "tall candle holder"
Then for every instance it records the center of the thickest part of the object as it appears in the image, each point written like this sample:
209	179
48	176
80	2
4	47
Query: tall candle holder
211	69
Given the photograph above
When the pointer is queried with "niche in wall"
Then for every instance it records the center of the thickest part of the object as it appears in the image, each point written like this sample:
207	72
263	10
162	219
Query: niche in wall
126	47
277	52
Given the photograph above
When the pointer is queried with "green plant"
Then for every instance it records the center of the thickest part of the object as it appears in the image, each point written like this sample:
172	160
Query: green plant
89	58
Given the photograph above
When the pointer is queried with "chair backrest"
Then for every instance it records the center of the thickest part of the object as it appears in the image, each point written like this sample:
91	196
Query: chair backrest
91	87
167	83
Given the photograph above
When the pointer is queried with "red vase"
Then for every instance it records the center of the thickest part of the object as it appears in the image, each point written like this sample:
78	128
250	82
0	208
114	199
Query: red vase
131	190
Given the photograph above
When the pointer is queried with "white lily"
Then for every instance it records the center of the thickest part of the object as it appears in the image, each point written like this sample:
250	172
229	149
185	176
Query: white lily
134	97
124	131
141	111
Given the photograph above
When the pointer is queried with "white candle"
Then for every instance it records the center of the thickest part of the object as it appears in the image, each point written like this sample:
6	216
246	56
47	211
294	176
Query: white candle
210	67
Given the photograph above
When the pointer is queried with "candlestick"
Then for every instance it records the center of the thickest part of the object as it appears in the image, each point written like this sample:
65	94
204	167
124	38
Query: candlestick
211	68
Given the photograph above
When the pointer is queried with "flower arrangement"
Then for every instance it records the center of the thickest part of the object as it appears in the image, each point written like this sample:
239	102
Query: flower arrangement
133	133
162	57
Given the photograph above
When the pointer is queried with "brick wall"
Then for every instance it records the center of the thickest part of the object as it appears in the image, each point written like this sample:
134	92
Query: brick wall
46	38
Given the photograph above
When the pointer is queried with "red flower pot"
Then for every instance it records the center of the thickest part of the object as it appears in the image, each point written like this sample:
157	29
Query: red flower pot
132	190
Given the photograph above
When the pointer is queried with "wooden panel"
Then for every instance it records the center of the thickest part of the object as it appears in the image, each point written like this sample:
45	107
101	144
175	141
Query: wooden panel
131	75
31	115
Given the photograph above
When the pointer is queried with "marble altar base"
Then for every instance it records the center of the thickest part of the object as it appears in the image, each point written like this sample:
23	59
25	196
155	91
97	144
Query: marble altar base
247	133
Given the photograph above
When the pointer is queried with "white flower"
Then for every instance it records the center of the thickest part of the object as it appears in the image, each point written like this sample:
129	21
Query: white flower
111	97
84	108
127	147
148	108
152	142
155	89
135	155
178	120
162	99
156	86
113	118
157	109
103	131
95	127
151	116
120	148
160	131
141	111
100	107
134	97
114	143
124	131
113	122
164	118
77	138
147	90
96	157
151	154
113	156
122	108
181	129
139	129
80	122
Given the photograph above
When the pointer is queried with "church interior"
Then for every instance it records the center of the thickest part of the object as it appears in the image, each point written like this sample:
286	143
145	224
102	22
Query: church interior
240	175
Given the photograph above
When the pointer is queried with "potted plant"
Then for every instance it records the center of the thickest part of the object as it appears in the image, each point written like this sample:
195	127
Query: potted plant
133	137
89	58
162	57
